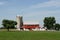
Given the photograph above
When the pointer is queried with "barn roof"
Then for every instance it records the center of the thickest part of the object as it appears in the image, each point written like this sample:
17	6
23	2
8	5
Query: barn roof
30	23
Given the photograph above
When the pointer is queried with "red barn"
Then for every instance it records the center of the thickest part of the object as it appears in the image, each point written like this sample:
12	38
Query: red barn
31	26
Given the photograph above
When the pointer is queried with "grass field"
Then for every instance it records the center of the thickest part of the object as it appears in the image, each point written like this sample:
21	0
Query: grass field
25	35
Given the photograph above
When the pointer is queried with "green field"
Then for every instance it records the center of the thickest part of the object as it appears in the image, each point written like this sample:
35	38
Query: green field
24	35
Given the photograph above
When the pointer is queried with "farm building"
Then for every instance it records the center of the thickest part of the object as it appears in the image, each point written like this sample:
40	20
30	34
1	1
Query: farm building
30	26
27	26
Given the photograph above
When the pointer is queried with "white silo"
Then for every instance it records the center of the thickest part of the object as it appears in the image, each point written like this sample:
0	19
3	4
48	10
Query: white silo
19	22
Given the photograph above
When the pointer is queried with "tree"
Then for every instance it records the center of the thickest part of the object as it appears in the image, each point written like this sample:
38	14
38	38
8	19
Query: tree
49	22
9	24
57	26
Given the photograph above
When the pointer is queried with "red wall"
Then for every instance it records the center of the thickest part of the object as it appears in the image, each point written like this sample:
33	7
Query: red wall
31	26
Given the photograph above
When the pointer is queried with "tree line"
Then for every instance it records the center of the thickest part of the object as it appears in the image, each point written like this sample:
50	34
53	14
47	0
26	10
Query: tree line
8	24
49	23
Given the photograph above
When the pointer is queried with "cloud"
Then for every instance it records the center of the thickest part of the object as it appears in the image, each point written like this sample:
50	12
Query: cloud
2	3
32	10
42	13
50	3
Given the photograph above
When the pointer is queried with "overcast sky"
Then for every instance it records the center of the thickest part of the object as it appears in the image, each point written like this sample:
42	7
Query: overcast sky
31	10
